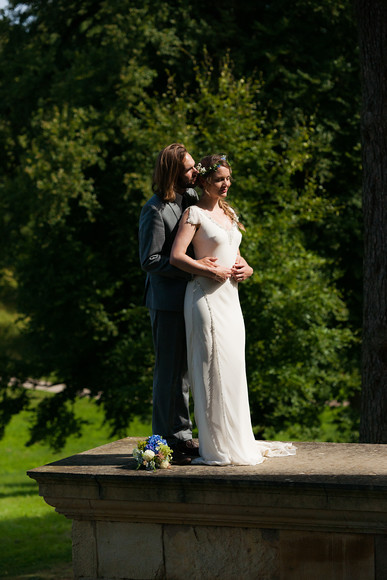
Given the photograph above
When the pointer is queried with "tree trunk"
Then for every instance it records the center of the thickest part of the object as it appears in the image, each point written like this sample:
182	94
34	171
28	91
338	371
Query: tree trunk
372	23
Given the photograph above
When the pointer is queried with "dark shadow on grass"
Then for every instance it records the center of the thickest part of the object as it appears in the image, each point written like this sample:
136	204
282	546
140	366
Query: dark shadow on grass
56	572
29	545
18	489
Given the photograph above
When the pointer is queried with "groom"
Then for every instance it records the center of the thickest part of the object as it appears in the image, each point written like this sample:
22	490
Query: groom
173	179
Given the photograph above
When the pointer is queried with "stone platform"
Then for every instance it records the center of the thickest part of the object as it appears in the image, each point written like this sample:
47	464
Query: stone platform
319	515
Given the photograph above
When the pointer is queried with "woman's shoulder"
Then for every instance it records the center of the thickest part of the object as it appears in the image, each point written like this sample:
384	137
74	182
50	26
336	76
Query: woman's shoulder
193	215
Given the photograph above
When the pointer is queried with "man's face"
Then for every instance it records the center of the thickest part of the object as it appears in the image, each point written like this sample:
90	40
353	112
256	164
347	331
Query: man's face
188	173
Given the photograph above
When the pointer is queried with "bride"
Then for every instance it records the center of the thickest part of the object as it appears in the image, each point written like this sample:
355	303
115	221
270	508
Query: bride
214	324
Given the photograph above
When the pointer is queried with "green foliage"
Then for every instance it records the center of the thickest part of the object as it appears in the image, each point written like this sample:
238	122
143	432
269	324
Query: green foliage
297	332
87	97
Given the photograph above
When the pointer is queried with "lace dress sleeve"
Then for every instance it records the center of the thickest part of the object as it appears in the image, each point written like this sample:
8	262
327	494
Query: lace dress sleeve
193	215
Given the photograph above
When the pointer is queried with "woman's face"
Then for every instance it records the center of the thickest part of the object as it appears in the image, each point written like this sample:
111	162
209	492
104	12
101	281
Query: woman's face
220	183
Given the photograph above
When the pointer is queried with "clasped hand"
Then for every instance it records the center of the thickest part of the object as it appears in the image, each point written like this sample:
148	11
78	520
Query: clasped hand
240	270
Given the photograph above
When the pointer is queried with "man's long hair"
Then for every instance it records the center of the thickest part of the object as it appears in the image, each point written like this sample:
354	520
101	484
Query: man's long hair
167	170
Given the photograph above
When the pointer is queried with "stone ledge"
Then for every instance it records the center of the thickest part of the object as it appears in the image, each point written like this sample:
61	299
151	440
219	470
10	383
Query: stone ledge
320	514
358	466
325	486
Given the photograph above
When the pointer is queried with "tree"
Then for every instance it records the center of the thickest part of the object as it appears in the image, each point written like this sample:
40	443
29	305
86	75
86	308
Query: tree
87	98
372	22
72	184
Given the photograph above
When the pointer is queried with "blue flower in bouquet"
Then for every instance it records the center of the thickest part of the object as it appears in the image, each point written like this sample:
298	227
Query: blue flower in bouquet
153	453
153	443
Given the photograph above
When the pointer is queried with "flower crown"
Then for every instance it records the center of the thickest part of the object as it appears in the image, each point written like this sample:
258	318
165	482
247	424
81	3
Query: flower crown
206	170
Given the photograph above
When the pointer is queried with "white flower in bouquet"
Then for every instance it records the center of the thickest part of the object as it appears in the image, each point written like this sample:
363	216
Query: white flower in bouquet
148	455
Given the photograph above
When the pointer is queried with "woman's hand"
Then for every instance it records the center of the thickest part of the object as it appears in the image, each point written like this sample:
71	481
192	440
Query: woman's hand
241	270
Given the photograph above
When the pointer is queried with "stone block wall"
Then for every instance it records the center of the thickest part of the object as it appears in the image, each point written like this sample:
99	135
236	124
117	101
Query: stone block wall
321	515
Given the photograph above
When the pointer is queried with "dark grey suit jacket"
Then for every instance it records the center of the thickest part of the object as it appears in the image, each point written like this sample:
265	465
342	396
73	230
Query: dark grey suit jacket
165	285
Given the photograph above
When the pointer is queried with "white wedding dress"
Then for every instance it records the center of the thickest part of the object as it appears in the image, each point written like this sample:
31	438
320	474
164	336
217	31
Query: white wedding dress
216	356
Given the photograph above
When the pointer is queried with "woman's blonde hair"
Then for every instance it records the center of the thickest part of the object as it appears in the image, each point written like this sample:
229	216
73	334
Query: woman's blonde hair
207	169
167	170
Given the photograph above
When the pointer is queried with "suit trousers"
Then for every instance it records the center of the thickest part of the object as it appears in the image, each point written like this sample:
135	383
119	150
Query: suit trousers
170	417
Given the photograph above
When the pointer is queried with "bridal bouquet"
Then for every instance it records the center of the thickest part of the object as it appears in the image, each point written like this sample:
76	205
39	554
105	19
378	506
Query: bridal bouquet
153	453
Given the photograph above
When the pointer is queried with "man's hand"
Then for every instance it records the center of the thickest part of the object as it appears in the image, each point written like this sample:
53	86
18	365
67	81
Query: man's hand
214	271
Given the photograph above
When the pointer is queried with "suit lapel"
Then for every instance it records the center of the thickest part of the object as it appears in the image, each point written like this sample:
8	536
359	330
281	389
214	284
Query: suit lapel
174	213
176	209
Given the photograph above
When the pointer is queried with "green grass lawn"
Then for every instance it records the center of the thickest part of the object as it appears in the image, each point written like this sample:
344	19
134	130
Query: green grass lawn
35	540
